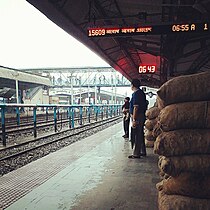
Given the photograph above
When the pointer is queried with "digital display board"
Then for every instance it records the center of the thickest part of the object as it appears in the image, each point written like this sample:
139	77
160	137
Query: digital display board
153	29
147	69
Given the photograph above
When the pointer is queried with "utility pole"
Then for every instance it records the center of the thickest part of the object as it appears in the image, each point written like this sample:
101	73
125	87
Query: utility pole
115	90
72	91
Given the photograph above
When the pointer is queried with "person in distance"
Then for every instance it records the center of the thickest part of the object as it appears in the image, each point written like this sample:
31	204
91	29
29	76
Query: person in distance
126	116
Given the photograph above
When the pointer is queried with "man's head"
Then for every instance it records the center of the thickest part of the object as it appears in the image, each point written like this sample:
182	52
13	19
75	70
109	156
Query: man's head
135	84
127	99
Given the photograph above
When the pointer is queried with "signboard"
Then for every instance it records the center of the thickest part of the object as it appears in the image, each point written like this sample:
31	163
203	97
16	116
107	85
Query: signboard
153	29
147	69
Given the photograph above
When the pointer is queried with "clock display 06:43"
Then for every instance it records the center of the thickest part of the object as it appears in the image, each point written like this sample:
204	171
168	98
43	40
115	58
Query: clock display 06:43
144	69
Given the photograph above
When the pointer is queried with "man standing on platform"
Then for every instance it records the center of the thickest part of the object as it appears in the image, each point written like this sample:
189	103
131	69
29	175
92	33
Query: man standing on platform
138	108
126	117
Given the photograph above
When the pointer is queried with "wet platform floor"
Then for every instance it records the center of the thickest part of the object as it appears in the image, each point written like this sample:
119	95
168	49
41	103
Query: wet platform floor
92	174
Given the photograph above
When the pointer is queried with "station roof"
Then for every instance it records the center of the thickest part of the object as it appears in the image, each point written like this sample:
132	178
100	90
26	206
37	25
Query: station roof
9	76
183	48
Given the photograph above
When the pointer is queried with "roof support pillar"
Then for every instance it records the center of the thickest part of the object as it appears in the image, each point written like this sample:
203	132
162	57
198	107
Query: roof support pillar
17	90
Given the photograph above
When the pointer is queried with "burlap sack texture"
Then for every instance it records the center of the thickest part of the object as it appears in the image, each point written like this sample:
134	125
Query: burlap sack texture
187	115
152	113
160	103
149	124
187	184
188	88
179	202
183	142
149	135
149	144
176	165
184	106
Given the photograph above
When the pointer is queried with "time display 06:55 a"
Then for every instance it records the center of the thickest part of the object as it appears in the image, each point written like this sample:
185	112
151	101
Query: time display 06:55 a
147	69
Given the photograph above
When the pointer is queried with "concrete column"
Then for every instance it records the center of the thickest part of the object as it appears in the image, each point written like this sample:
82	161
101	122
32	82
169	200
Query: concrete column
17	90
95	94
72	91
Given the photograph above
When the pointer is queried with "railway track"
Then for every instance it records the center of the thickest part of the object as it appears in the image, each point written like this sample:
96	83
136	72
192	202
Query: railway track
12	122
15	133
17	156
29	119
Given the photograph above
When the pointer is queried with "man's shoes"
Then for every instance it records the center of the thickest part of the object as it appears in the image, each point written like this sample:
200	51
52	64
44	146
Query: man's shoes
134	157
125	136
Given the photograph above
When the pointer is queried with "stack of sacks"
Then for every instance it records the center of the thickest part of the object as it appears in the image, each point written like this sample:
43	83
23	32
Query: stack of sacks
151	115
160	103
183	143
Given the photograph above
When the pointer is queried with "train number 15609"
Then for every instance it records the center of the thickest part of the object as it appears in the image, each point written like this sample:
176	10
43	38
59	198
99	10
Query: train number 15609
96	32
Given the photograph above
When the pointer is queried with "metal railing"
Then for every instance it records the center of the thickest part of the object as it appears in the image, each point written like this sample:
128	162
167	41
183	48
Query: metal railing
90	112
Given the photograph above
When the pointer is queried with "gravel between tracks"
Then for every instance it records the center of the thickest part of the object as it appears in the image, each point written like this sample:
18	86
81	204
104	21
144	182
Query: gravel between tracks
46	147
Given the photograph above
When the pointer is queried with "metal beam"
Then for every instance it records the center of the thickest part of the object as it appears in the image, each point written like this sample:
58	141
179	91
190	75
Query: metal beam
69	70
200	61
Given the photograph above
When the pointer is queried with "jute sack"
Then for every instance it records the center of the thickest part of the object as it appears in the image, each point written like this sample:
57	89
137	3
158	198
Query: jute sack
188	184
157	130
149	144
179	202
149	136
149	124
188	88
173	166
152	113
163	175
160	103
185	115
183	142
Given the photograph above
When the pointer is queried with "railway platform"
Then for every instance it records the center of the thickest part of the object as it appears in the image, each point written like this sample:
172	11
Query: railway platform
91	174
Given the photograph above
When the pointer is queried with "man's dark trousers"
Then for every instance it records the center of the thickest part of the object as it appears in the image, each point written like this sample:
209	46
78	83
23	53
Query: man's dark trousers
126	122
137	137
